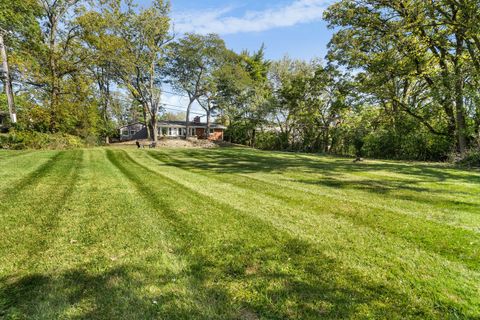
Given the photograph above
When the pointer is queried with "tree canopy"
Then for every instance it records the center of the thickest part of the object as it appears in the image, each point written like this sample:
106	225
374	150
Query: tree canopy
400	79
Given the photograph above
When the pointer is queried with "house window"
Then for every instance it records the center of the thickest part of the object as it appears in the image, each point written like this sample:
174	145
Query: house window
170	131
212	131
124	132
132	132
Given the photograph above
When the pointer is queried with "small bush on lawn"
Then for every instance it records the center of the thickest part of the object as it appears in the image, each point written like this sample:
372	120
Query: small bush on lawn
471	158
18	140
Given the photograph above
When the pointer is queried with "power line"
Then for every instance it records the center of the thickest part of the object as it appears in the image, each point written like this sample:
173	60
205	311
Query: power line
175	94
166	106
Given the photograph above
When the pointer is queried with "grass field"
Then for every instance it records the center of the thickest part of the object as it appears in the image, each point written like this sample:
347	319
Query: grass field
235	234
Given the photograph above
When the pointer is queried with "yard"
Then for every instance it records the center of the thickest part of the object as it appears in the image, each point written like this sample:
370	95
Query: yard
235	233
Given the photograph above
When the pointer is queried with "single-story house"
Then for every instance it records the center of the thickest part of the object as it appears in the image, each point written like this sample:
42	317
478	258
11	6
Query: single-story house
174	129
134	131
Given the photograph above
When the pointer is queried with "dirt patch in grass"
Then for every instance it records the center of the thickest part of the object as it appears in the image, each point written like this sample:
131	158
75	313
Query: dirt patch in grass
177	143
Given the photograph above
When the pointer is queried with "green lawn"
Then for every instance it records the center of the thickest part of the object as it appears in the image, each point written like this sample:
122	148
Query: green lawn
235	234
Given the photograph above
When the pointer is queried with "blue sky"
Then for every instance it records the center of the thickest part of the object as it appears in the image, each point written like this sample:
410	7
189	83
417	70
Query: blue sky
292	27
286	27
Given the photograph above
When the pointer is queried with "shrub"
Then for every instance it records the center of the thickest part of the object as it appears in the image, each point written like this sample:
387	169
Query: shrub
267	141
18	140
470	159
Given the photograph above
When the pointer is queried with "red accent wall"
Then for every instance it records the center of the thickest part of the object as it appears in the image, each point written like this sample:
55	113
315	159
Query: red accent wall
215	136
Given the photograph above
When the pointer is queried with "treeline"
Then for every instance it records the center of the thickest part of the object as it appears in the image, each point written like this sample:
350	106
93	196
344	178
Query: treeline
400	80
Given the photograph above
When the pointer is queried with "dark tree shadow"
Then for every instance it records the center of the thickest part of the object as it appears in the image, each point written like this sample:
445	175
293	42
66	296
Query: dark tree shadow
231	160
252	271
268	269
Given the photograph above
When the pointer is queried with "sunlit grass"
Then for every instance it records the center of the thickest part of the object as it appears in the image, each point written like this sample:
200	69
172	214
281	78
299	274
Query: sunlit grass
235	234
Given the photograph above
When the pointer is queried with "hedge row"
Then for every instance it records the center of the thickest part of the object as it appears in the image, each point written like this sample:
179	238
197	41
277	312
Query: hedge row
18	140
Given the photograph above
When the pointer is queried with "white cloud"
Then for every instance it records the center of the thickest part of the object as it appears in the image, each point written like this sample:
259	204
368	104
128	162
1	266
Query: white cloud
218	20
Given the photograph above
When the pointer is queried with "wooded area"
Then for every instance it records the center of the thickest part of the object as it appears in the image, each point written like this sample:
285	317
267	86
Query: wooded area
400	80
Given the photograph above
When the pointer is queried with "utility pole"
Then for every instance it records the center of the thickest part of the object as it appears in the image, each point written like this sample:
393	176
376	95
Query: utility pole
6	78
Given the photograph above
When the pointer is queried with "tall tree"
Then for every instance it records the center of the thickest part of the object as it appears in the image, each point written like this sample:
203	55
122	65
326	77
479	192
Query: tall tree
61	57
243	93
105	46
139	38
20	30
417	40
193	60
282	75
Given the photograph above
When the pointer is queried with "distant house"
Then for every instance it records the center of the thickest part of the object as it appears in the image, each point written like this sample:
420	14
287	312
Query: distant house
174	129
134	131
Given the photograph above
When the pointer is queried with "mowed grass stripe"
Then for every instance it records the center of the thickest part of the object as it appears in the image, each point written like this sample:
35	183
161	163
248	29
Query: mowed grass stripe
109	260
345	180
30	215
107	204
442	239
365	250
141	238
30	221
18	172
418	202
26	290
8	155
215	217
170	208
34	205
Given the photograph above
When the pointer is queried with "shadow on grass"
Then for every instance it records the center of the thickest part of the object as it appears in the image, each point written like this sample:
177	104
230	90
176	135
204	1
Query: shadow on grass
234	160
235	267
273	279
445	240
31	178
106	295
391	188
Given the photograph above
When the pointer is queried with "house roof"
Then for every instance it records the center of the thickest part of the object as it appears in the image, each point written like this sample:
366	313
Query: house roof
131	124
190	124
179	124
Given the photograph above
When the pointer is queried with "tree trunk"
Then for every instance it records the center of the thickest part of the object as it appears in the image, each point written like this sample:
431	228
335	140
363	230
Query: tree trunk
254	134
326	140
145	120
461	127
154	127
7	85
460	118
207	134
54	90
187	120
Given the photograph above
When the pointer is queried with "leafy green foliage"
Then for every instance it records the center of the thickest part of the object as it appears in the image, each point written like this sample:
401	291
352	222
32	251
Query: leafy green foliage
400	81
194	61
18	140
471	159
415	57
